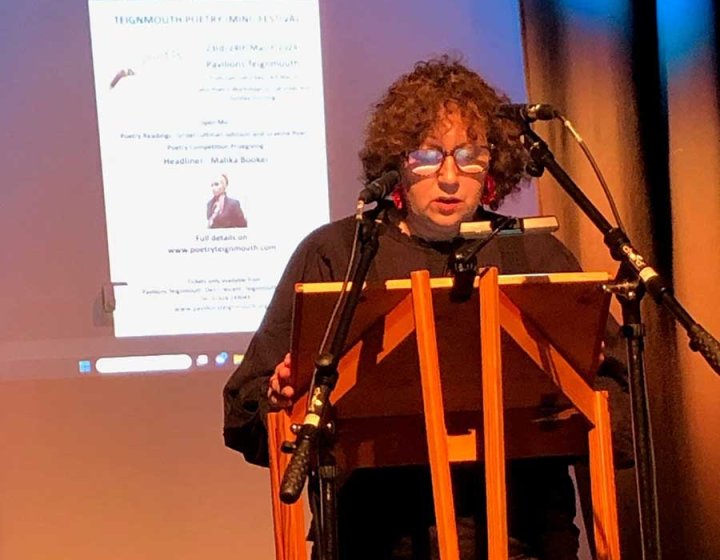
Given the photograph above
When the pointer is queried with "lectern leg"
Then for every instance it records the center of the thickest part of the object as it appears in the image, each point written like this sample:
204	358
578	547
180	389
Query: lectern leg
493	416
434	415
288	520
602	482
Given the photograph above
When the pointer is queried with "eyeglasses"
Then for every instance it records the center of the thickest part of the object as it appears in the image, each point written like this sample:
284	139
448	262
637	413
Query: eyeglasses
469	159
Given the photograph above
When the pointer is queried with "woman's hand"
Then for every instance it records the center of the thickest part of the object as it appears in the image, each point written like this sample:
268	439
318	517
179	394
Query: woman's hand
280	389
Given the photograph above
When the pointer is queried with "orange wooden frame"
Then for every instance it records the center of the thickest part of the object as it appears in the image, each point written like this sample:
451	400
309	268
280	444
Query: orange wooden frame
497	311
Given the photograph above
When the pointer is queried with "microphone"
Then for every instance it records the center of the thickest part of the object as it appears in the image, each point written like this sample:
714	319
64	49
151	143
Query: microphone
380	187
527	112
376	190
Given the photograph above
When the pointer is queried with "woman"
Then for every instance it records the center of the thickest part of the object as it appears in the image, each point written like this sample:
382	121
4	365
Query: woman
437	127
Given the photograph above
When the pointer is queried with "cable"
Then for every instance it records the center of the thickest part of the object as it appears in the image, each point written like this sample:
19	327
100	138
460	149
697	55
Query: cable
345	281
586	150
341	295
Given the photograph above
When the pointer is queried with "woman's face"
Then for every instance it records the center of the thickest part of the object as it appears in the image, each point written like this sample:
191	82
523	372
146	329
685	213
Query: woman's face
437	202
218	186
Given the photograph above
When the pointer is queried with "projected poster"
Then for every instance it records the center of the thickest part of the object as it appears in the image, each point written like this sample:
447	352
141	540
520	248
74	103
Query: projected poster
212	140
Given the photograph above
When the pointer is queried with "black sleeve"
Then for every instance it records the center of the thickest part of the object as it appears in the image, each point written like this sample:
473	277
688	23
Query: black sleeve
245	393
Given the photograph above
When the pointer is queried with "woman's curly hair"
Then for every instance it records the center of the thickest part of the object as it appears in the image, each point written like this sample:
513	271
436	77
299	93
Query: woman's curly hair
409	111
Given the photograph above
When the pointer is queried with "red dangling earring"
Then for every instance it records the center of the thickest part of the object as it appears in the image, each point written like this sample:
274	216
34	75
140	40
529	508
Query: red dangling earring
488	195
397	197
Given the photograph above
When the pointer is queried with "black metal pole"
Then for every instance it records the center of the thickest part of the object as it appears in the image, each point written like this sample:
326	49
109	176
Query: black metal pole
328	507
313	437
634	332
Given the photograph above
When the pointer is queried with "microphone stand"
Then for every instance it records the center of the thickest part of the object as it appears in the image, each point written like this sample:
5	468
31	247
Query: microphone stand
635	277
314	435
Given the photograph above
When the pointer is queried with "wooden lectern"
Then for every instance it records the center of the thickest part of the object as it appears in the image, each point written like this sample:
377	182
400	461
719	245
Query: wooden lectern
525	394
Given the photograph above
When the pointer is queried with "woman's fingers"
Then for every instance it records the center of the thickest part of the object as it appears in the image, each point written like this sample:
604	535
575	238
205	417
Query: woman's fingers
280	392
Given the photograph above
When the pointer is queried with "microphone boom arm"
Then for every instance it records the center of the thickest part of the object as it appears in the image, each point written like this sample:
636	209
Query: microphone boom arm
622	250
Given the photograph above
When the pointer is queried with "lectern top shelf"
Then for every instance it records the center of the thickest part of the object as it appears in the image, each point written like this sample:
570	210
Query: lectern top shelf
569	309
